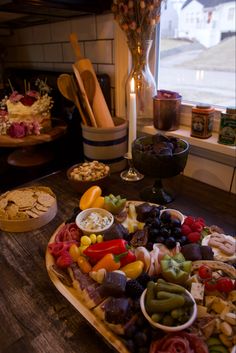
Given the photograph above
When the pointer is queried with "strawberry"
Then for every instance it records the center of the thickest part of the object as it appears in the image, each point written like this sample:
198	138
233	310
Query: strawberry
194	237
185	229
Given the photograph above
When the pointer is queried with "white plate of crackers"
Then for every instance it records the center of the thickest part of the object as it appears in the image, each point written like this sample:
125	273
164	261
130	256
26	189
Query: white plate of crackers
26	209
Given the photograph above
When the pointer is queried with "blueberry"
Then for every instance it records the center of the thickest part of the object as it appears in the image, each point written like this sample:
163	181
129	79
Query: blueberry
155	212
160	239
140	339
149	246
148	221
175	222
130	345
176	232
166	217
130	330
156	223
183	240
170	242
165	232
153	233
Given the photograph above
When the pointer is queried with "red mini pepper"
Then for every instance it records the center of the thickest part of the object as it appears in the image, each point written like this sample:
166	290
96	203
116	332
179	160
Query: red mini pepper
96	251
130	257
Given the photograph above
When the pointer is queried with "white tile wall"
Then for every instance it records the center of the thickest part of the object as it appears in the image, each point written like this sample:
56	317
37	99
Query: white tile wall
105	26
99	51
52	52
42	34
60	31
85	28
209	172
25	36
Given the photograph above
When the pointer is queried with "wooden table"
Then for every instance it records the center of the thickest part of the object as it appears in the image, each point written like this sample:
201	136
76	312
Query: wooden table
35	317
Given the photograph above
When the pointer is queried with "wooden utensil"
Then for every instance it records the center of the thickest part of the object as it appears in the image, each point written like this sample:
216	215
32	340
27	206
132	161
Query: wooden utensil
67	89
89	85
99	107
84	96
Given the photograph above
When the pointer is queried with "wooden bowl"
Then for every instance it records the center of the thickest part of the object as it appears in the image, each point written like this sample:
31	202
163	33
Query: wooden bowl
81	186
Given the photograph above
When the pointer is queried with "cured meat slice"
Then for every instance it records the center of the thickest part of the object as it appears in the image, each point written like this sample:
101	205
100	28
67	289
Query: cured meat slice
181	342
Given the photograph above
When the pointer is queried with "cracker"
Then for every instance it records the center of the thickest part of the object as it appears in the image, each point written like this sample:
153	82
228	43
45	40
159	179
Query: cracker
22	198
40	207
20	216
12	210
3	204
31	214
46	200
3	214
38	212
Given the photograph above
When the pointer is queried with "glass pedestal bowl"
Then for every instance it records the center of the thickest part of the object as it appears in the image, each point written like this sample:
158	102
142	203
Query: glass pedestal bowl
159	162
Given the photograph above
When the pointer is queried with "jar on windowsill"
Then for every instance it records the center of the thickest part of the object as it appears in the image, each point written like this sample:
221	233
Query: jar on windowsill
227	131
202	121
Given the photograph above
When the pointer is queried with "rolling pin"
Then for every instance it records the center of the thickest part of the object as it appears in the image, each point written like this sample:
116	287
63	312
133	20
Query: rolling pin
99	106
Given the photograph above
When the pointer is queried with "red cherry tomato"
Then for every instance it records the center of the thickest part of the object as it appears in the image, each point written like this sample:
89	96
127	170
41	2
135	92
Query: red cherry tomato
210	286
205	272
224	284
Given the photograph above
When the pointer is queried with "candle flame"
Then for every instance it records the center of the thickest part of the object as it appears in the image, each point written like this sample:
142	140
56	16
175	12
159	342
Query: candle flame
132	87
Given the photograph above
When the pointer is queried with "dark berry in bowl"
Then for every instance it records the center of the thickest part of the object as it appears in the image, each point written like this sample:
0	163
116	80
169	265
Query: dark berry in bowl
170	242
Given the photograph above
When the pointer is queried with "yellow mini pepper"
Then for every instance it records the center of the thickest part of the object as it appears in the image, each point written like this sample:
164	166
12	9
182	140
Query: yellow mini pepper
133	269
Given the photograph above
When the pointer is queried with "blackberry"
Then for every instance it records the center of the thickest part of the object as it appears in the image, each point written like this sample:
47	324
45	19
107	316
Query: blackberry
143	279
133	289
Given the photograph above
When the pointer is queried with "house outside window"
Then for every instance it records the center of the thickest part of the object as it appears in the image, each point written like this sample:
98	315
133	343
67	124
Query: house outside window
199	61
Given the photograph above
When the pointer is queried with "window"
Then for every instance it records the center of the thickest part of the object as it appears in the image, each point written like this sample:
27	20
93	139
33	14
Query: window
198	61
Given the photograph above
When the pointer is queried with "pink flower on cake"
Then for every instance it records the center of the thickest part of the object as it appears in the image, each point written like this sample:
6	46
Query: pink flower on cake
15	97
17	130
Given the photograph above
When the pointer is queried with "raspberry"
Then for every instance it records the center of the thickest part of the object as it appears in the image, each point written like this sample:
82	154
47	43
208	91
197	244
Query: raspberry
185	229
189	220
201	220
194	237
196	227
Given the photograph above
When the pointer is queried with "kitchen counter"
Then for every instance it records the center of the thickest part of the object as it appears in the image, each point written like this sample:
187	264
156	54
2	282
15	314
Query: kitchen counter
35	317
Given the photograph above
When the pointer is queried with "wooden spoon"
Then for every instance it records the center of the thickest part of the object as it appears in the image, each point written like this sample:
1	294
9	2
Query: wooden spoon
67	89
89	85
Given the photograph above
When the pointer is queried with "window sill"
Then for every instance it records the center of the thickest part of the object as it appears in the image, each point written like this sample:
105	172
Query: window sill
208	148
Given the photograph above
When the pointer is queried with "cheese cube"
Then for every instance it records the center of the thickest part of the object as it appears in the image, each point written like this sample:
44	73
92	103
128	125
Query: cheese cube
197	291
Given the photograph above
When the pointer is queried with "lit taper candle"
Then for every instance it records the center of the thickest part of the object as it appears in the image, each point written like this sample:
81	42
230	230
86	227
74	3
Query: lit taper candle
132	117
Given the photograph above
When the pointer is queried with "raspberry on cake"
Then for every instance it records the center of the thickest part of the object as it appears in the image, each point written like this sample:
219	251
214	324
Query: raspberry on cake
28	113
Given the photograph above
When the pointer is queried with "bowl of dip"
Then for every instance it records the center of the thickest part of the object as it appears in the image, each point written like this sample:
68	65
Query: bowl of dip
94	220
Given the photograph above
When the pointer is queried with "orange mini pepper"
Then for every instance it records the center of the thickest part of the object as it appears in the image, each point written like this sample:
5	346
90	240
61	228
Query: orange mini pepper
84	265
109	262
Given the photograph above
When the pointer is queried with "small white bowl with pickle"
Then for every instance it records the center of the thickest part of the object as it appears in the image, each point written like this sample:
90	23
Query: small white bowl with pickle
168	306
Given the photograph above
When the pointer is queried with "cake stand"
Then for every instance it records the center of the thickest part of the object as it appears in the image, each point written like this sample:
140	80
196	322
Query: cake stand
30	150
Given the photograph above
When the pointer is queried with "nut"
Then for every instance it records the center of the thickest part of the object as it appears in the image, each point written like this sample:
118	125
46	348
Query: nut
90	171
